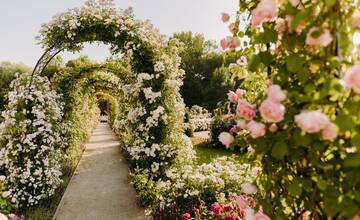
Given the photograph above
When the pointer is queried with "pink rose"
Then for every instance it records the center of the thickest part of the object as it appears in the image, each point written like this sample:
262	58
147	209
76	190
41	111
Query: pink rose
234	42
230	216
256	129
241	202
352	78
216	208
225	17
272	112
280	25
265	11
312	121
240	92
241	212
329	132
242	61
275	93
232	96
232	27
324	39
357	216
273	128
356	18
241	124
186	216
228	207
248	188
245	109
226	139
261	216
224	43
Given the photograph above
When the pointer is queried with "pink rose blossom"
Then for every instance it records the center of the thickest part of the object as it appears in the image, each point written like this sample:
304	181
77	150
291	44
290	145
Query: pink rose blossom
352	78
248	188
245	109
241	124
242	61
329	132
261	216
273	128
241	212
275	93
250	149
280	25
324	39
272	112
312	121
240	92
224	43
225	17
232	27
216	208
226	139
232	96
356	18
241	202
234	42
228	207
186	216
233	129
230	216
256	129
357	216
265	11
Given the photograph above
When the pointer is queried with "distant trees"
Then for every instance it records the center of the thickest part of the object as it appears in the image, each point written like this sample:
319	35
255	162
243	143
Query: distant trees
207	79
7	74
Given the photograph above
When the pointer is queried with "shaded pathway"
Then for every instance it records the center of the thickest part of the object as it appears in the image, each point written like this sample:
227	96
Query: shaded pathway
99	187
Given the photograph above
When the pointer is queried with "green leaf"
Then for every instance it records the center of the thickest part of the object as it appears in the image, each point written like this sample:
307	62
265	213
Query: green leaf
254	63
279	150
321	184
295	189
302	140
294	63
344	122
356	141
266	58
352	161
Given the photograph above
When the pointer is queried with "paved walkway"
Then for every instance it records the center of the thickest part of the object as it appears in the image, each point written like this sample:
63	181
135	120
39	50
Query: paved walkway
99	189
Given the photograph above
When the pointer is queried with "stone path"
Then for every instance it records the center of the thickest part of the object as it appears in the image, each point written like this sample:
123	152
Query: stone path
99	188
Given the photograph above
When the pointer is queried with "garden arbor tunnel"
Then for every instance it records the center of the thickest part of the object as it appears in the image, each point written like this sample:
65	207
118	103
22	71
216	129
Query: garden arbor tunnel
151	108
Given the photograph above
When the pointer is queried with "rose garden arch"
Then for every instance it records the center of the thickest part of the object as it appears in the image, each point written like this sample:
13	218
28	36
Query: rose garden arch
154	111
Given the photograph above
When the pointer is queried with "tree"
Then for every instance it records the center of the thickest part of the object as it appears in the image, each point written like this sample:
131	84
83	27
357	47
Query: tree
200	60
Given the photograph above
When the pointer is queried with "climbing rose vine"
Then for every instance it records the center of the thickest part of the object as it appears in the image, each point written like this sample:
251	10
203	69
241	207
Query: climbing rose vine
31	135
306	134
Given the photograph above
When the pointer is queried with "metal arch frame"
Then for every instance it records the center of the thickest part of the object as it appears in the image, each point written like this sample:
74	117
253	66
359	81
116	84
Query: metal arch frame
43	61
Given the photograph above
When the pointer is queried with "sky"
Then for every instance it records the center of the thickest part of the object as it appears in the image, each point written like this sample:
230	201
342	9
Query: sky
20	22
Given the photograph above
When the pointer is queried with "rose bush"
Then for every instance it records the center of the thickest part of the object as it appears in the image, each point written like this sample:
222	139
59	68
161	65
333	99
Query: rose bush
310	155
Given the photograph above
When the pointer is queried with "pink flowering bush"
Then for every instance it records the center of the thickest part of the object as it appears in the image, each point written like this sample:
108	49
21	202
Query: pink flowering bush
305	127
231	208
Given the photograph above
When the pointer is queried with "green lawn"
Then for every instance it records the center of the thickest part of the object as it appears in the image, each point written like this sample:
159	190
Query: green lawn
206	153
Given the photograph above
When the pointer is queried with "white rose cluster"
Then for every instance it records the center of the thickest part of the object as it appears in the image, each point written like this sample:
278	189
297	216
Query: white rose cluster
32	135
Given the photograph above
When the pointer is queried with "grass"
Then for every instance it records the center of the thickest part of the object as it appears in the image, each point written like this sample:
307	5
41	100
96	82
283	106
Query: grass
206	153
